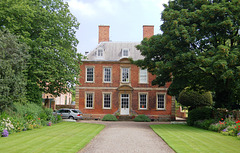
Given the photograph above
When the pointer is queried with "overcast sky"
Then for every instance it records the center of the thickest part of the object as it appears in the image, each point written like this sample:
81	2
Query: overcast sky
125	18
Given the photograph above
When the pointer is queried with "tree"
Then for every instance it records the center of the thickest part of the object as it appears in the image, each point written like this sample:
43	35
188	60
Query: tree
48	28
199	48
13	64
195	99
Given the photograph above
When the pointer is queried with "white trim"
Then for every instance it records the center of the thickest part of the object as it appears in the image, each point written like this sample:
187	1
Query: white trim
104	67
125	49
110	100
86	67
122	111
139	79
93	99
164	94
143	93
114	88
102	54
129	75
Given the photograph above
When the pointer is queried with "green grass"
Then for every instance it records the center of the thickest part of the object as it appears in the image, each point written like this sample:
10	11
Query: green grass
61	137
183	138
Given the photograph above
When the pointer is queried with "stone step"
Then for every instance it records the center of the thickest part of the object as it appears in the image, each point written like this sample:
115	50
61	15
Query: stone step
125	118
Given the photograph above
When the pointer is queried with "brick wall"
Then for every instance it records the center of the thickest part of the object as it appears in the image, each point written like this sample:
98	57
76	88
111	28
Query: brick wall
98	87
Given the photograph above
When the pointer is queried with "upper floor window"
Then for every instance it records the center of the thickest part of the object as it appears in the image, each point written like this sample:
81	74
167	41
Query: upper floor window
143	76
125	75
125	52
161	102
100	52
107	72
89	74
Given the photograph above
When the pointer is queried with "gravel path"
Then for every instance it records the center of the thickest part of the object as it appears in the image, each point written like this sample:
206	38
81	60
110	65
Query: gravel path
126	137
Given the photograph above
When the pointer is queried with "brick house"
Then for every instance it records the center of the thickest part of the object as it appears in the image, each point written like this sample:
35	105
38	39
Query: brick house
111	84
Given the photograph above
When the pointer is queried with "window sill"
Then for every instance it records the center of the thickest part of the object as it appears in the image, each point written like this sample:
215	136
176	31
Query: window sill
163	109
107	108
89	108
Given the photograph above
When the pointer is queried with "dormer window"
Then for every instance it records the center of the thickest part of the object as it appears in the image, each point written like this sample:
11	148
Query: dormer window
125	52
100	52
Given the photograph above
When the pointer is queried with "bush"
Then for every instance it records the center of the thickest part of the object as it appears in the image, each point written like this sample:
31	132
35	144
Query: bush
24	117
109	117
200	113
141	118
194	99
204	124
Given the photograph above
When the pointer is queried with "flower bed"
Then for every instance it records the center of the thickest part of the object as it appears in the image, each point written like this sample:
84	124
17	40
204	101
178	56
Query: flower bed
26	117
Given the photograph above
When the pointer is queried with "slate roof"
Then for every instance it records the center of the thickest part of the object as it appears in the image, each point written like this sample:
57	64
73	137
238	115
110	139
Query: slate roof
112	51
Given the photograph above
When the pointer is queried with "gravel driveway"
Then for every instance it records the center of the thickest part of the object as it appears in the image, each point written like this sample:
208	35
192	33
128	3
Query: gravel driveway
126	137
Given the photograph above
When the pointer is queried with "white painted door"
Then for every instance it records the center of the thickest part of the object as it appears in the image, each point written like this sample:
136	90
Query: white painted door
124	104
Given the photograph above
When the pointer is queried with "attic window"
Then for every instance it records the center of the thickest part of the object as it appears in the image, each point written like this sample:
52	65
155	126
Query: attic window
100	52
125	52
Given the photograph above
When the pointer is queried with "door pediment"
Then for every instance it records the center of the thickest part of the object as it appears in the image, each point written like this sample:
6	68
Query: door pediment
125	88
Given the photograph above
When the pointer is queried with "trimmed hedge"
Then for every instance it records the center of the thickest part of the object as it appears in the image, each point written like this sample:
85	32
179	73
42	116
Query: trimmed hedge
200	113
109	117
194	99
142	118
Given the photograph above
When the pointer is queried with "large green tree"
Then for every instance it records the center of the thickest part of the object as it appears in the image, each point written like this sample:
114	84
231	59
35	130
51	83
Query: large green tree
13	65
48	28
199	48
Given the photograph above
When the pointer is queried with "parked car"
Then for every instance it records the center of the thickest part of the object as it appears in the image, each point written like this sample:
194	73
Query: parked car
67	113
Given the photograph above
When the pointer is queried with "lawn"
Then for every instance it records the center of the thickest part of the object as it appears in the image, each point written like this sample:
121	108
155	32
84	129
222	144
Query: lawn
183	138
61	137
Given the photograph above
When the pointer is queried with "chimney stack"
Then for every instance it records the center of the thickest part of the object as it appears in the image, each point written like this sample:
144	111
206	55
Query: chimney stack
103	33
148	31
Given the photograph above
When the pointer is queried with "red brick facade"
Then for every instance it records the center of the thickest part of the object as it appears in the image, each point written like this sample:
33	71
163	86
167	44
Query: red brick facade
133	88
125	96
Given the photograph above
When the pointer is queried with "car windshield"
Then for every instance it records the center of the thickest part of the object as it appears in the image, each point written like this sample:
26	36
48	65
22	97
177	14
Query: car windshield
76	111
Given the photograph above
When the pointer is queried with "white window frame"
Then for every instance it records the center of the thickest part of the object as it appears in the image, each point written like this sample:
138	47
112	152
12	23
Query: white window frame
129	75
100	52
93	99
141	75
110	74
86	75
103	97
164	98
139	100
123	52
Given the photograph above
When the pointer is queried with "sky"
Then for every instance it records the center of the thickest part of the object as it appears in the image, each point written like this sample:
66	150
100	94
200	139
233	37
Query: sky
125	18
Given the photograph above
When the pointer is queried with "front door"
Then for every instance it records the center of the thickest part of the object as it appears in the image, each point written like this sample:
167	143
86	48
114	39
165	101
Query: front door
124	104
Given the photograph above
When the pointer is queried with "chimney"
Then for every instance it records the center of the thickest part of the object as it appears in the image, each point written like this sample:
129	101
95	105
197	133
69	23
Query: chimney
103	33
148	31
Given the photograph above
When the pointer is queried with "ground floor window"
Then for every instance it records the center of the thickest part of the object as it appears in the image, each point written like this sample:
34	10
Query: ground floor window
106	100
89	100
142	100
160	101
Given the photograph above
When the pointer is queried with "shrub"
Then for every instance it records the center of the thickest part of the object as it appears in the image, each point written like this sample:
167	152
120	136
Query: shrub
204	124
194	99
200	113
109	117
142	118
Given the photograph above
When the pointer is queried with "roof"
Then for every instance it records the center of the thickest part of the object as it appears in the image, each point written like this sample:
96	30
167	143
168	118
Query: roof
112	51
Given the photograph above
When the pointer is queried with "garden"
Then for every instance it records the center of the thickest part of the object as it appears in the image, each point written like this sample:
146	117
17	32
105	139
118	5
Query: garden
23	117
61	137
184	138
